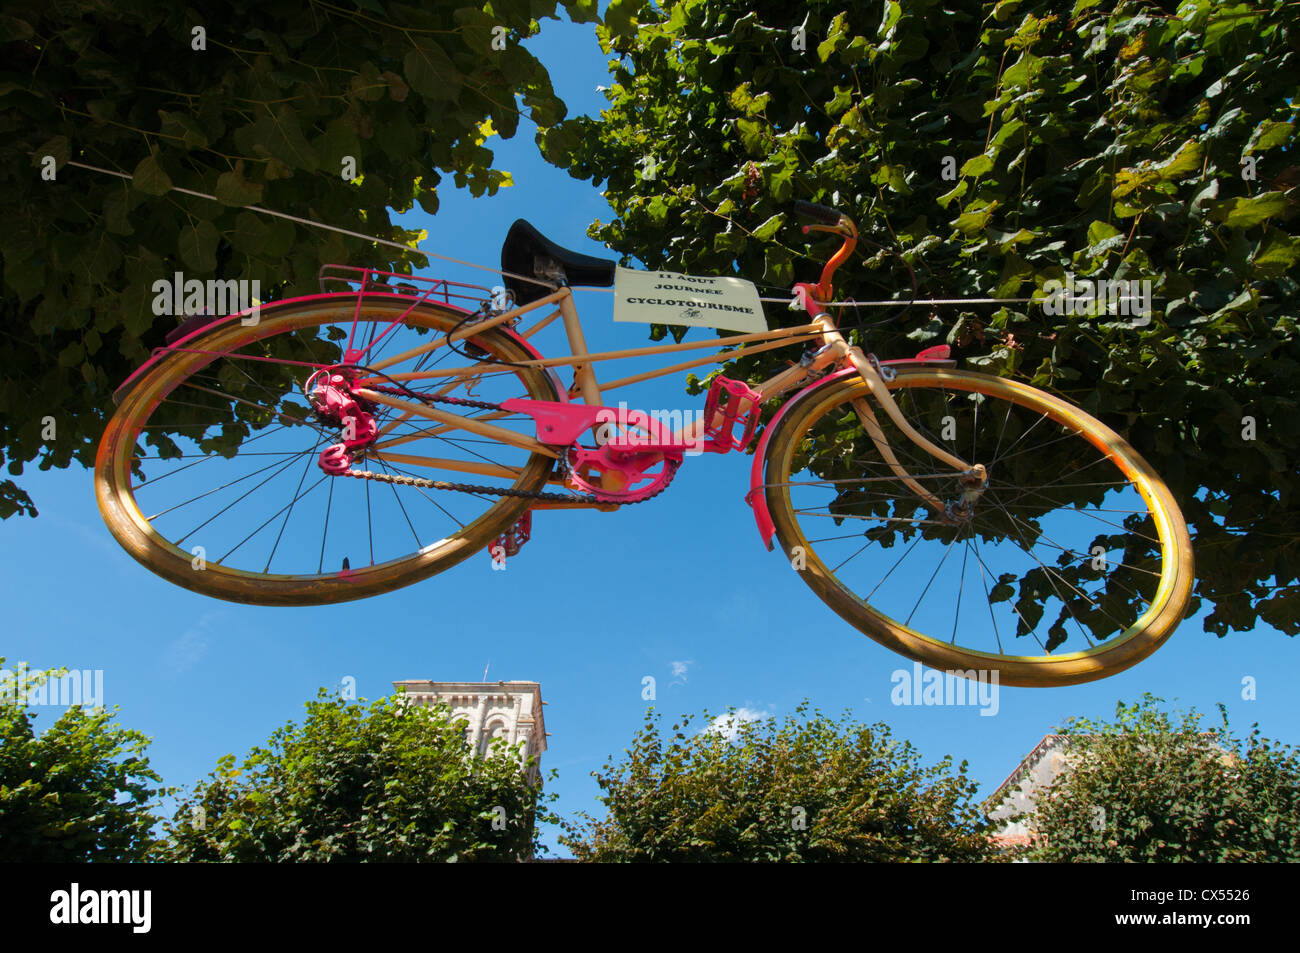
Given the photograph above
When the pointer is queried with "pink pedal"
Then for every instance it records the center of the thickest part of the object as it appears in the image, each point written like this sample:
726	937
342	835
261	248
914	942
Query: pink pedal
731	404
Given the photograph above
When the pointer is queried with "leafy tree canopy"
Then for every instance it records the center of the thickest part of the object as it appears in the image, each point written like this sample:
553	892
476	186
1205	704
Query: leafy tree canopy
77	793
1151	787
809	788
357	782
270	103
996	147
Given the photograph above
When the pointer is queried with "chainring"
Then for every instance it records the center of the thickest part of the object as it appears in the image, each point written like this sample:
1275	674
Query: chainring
643	475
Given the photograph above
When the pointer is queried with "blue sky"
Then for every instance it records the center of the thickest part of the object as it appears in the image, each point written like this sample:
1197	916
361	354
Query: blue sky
680	589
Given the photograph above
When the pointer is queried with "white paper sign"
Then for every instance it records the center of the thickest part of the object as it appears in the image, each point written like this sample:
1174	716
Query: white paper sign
665	297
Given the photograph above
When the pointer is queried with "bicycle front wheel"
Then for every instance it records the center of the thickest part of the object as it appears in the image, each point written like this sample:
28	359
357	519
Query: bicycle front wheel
209	472
1073	564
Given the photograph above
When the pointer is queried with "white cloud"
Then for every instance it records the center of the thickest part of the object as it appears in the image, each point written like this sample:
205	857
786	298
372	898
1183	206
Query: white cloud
729	725
679	671
188	650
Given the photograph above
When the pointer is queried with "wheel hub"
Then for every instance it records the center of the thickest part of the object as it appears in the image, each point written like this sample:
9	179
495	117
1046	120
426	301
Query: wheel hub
974	482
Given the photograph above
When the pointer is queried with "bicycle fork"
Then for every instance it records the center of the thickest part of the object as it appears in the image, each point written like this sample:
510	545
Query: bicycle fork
836	350
972	477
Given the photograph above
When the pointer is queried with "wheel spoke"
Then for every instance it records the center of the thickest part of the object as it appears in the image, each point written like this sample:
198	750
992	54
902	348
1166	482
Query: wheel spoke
1045	471
200	413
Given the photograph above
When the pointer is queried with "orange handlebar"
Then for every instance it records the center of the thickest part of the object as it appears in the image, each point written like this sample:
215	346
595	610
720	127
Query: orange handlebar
825	289
849	231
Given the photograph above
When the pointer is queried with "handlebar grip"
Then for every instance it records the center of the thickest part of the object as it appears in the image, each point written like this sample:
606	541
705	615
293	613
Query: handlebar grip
818	213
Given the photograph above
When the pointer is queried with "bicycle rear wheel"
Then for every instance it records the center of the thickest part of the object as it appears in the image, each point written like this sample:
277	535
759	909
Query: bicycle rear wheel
208	472
1073	565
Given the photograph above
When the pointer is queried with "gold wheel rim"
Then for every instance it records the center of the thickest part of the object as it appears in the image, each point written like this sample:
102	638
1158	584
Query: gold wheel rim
1117	653
137	535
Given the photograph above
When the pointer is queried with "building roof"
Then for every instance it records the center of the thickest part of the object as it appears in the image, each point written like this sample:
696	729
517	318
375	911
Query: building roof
1049	743
1026	766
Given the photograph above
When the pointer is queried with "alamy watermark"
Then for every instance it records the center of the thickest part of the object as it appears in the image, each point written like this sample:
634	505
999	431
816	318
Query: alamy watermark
131	908
181	296
54	687
628	427
1104	296
974	687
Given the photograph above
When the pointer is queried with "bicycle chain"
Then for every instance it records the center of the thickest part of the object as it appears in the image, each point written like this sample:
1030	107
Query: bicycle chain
424	484
427	484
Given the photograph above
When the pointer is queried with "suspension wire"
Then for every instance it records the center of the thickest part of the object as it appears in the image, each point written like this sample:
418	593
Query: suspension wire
332	228
551	285
888	303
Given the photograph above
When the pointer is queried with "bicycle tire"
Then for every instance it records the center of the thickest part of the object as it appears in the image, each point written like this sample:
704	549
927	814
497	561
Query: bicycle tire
134	531
1167	606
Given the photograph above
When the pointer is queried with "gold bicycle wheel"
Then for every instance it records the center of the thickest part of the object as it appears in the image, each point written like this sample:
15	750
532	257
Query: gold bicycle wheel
1074	564
208	472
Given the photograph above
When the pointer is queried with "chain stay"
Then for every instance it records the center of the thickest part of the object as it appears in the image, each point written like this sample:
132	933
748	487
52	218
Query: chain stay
422	483
426	484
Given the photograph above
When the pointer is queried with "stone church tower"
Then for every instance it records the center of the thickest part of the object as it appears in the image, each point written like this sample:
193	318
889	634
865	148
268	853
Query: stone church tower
509	710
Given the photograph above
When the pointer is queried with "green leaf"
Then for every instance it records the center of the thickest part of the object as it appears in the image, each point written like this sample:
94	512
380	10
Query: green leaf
250	234
973	221
1206	194
186	130
339	141
1023	72
58	147
1248	212
117	208
893	176
103	259
27	279
368	85
198	247
780	186
769	228
753	135
282	136
431	72
835	38
1008	240
1103	238
620	17
955	193
149	177
1269	135
583	11
235	190
977	166
1003	10
893	13
1008	131
14	29
1277	254
1183	163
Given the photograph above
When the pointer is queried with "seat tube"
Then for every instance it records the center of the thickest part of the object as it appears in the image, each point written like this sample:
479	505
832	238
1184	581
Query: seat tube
582	372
